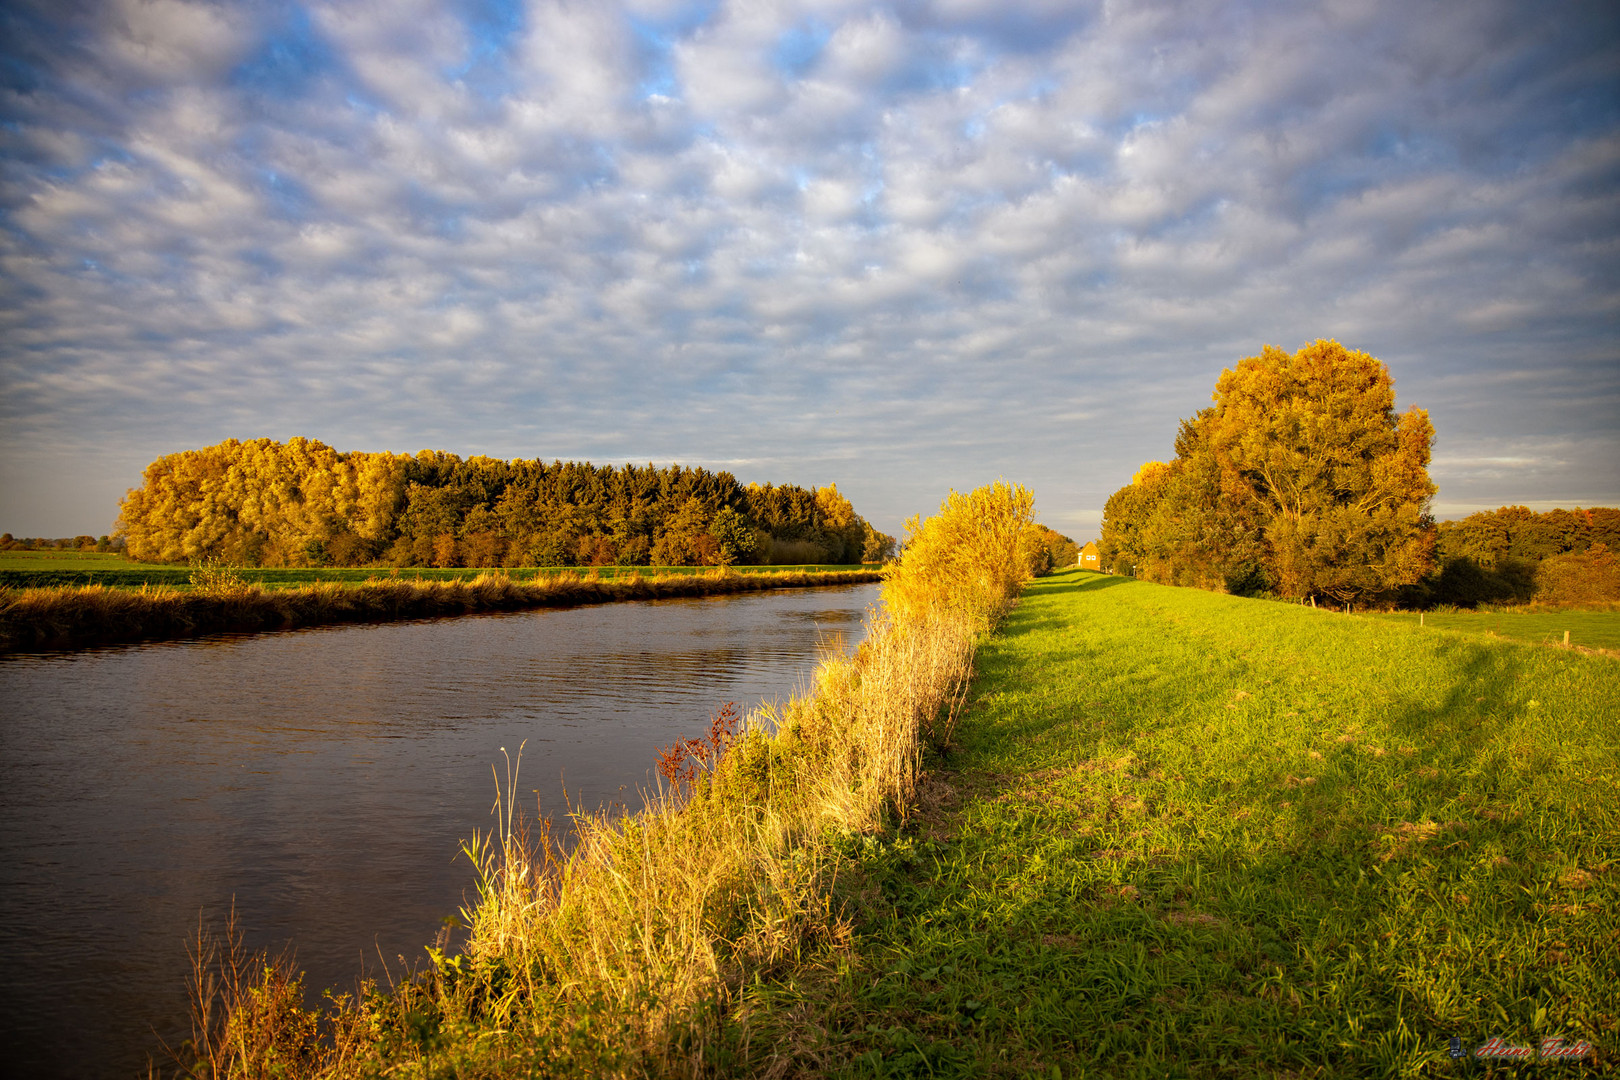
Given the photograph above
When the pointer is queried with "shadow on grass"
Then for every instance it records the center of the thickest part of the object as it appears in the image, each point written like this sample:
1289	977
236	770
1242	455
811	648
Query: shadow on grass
1093	581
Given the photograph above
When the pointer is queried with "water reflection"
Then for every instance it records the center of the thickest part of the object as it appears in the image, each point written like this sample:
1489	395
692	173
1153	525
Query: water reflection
323	779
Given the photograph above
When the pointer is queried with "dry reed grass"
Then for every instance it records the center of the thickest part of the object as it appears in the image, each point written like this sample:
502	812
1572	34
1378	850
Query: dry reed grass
629	954
70	615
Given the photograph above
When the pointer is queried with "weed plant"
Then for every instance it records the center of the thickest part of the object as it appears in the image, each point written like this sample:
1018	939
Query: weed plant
631	953
1186	834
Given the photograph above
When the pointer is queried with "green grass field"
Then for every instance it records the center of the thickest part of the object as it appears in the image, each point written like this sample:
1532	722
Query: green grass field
1188	834
1588	629
36	569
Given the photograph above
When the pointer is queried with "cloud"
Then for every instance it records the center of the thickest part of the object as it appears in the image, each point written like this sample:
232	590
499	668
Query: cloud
906	248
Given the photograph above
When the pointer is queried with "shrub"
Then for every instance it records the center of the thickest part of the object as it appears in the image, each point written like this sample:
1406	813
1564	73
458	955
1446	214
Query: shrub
1587	577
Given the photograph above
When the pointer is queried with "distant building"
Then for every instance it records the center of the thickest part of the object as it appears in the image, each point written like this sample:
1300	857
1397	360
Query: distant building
1089	559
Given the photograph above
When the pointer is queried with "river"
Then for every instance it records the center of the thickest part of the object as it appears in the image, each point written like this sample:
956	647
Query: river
323	780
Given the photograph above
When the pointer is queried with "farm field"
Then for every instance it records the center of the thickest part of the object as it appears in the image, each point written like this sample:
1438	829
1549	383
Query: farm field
1588	629
1196	835
40	569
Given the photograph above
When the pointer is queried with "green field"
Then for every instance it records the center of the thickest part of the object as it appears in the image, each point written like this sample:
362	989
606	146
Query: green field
1588	629
1187	834
36	569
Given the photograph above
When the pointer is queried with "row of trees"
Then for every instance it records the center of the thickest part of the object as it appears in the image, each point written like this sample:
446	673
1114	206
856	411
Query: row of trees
301	503
1519	533
1300	480
1055	550
63	543
1513	554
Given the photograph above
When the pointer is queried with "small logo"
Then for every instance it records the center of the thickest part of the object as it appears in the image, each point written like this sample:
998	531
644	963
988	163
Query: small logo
1456	1047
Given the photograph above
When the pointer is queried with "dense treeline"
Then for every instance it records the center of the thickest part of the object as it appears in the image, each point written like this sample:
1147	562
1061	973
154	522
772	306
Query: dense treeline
1060	550
301	503
1301	480
63	543
1517	532
1513	555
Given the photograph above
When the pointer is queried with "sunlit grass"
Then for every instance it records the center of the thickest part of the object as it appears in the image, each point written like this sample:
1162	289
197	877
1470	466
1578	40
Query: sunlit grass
1586	629
1190	834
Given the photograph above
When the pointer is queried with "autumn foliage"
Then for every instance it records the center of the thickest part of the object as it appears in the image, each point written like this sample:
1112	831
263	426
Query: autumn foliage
973	556
302	503
1301	479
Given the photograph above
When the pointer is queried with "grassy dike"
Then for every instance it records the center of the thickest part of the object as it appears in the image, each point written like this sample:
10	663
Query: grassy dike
1187	834
67	616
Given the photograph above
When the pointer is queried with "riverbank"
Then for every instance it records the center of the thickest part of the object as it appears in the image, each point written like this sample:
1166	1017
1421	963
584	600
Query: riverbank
1194	834
632	953
67	616
43	569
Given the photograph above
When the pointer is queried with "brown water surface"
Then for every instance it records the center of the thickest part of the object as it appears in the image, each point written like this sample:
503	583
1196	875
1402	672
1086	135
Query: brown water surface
324	779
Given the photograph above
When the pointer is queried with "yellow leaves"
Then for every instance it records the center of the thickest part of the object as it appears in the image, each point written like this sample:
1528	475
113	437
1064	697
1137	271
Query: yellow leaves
836	511
259	500
973	556
1151	473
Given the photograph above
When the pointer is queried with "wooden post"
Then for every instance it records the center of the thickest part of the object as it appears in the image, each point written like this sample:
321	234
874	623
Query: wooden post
1420	618
1566	639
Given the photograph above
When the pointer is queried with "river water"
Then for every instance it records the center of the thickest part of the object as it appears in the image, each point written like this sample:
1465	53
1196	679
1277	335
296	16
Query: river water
323	779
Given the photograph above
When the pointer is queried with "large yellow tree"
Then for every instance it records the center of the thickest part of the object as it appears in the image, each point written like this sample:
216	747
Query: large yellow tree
1301	478
1312	441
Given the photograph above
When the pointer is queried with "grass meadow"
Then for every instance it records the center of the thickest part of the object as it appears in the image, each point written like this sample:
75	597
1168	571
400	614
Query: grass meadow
1188	834
1587	629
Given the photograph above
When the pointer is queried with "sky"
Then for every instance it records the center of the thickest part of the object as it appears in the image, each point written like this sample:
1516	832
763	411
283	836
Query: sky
905	247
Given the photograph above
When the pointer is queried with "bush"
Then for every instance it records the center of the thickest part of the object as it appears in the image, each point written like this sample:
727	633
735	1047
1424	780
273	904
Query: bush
974	555
1587	577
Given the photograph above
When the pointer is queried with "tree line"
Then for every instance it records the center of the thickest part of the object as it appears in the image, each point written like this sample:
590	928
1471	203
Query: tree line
1302	481
1514	554
302	503
61	543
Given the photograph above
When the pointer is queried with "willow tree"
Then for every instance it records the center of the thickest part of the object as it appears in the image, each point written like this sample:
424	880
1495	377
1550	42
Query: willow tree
1312	441
1301	475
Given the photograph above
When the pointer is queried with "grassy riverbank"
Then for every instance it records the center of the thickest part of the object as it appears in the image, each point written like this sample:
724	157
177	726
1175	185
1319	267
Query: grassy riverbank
1191	834
67	616
632	954
44	569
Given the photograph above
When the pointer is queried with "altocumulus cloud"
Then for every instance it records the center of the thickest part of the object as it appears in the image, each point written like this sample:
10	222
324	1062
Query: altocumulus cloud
902	246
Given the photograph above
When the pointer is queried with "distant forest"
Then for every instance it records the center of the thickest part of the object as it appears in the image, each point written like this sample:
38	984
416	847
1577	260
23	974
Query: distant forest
302	503
1514	554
